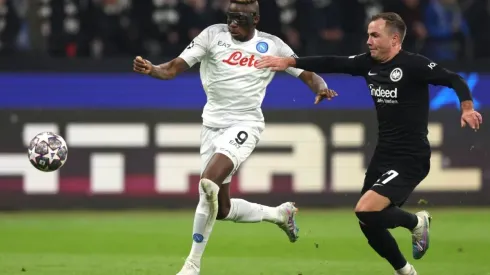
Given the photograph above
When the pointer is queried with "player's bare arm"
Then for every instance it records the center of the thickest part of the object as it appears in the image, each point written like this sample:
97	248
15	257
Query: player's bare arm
165	71
318	86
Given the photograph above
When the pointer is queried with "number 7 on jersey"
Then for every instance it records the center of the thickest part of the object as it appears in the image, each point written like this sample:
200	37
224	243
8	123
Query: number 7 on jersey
387	177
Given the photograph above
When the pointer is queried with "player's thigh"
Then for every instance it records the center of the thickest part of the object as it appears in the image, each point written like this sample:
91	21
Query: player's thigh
370	178
238	142
208	138
396	185
373	173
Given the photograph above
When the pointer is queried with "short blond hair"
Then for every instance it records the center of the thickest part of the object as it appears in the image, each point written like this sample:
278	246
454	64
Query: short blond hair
394	21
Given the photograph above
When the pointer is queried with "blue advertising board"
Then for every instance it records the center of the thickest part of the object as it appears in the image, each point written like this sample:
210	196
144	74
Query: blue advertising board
133	91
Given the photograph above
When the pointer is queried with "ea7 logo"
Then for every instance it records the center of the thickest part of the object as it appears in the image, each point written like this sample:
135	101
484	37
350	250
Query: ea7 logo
223	44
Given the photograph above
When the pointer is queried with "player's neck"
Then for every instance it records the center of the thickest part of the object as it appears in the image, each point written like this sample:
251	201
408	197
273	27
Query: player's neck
392	55
250	36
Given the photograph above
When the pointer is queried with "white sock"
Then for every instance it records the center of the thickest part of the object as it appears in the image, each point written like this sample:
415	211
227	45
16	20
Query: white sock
204	220
242	211
405	270
420	223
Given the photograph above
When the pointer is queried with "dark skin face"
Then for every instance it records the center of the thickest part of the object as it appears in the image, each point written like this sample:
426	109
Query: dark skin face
241	21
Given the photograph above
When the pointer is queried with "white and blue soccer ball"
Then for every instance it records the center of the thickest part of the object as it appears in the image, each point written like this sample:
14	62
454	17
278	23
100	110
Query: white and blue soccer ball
47	152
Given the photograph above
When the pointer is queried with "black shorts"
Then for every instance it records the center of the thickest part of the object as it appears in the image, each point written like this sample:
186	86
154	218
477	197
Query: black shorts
395	180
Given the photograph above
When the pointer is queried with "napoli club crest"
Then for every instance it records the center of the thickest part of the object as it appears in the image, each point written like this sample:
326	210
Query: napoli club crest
262	47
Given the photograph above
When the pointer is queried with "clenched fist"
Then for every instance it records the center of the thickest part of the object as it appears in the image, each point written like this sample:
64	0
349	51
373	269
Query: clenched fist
142	66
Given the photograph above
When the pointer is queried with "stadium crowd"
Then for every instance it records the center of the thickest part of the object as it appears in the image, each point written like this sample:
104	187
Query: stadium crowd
440	29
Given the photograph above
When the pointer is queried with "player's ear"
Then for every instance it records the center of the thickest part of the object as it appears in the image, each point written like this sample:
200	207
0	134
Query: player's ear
256	20
396	38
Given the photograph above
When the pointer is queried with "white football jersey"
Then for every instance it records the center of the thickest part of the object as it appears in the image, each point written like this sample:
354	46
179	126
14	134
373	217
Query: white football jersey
234	88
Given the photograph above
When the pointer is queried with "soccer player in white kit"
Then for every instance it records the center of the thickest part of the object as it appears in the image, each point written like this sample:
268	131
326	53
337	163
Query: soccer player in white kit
232	117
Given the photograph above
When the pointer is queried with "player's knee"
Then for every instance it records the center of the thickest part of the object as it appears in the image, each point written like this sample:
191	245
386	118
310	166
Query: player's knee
218	169
362	207
216	175
372	201
366	213
212	175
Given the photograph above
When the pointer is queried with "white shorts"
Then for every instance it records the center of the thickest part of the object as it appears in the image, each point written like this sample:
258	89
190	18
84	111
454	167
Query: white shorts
236	142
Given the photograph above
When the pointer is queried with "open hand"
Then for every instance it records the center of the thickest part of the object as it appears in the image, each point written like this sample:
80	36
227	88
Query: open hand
274	62
471	118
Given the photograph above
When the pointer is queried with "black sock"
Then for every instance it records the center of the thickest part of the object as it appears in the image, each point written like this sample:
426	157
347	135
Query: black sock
384	244
390	217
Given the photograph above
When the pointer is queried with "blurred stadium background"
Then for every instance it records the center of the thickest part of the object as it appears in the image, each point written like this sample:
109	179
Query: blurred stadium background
133	162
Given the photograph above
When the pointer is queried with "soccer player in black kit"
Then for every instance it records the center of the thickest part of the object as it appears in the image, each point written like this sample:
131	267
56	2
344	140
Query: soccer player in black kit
399	84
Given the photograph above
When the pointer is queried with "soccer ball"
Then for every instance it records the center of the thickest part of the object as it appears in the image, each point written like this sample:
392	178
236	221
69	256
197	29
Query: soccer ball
47	152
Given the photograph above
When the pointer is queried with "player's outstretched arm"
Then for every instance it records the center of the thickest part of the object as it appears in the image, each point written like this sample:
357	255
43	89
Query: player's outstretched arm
437	75
163	71
318	86
353	65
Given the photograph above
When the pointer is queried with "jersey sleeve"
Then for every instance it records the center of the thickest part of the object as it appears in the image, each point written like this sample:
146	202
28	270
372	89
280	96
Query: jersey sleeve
430	72
198	48
356	65
434	74
285	51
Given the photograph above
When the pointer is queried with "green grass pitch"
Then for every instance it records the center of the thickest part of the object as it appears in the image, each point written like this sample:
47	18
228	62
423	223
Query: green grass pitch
155	243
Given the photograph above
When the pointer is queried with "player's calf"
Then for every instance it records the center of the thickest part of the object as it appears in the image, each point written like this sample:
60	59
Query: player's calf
224	202
284	215
385	245
204	220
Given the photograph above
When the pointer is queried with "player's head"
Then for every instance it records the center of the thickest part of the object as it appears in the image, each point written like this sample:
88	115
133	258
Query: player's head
386	32
242	17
